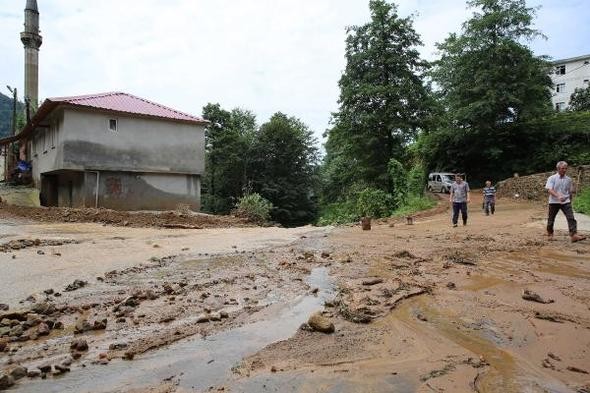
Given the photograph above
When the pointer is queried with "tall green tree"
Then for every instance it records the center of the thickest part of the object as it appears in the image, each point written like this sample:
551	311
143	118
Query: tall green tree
487	75
580	100
489	83
383	102
284	158
229	140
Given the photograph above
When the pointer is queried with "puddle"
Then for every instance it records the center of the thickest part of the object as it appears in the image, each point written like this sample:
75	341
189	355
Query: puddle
196	363
506	374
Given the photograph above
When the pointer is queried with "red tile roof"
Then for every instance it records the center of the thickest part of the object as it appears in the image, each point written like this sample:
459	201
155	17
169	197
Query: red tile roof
126	103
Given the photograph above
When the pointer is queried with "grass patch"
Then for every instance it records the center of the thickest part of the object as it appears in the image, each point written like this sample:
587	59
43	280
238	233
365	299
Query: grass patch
582	202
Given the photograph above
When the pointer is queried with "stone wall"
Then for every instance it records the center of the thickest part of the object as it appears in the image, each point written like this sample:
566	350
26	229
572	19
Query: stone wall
532	187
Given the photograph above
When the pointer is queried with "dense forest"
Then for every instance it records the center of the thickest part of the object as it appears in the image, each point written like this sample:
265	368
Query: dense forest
482	108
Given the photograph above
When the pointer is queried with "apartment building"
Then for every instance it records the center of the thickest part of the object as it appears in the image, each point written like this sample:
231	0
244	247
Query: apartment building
569	74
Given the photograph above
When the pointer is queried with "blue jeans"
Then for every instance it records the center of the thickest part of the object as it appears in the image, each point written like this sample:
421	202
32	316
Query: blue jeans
459	206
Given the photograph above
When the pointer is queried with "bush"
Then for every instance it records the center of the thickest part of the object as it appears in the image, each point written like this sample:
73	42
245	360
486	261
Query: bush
253	207
582	202
415	204
374	203
339	213
417	180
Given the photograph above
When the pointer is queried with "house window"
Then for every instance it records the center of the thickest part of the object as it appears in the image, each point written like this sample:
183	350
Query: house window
560	70
113	124
560	106
560	87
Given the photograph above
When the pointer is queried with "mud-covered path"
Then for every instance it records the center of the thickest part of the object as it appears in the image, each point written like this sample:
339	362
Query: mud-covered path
417	308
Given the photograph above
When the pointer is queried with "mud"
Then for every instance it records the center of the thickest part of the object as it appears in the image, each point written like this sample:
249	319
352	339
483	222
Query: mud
416	308
181	218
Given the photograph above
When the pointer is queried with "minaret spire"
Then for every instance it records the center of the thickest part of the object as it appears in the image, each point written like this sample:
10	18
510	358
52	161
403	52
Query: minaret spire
32	40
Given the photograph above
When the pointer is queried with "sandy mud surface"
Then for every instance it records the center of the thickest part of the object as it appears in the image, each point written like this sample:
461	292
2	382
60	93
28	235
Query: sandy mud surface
489	307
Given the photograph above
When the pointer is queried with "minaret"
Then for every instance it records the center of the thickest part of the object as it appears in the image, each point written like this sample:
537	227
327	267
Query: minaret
32	41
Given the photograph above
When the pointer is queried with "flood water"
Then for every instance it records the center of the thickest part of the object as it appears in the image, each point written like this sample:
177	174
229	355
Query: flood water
196	363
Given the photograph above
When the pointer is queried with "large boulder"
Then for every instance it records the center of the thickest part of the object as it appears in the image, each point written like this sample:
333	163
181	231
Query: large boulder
320	323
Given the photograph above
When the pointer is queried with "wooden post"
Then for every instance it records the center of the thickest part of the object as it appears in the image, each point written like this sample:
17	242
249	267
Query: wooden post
366	223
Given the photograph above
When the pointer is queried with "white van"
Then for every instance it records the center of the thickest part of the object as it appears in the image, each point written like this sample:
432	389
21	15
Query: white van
440	181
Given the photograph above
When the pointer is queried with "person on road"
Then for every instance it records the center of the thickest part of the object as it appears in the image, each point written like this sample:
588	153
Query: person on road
489	198
559	187
459	198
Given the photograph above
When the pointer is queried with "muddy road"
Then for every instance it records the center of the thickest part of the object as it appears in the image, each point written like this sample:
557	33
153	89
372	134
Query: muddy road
489	307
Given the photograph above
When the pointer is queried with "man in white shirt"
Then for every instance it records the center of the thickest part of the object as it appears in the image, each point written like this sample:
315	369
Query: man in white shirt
559	187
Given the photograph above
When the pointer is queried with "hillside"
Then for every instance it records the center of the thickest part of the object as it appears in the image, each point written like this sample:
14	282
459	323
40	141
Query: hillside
6	114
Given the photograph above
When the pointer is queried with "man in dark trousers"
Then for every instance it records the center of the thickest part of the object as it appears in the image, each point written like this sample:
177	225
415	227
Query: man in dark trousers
560	187
459	198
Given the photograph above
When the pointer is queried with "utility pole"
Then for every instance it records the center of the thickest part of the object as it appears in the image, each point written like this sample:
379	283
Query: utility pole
14	98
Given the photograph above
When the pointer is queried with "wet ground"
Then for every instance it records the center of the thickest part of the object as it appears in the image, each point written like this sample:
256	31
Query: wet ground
416	308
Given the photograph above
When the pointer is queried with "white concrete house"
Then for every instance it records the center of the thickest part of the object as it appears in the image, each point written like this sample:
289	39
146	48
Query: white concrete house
568	75
115	150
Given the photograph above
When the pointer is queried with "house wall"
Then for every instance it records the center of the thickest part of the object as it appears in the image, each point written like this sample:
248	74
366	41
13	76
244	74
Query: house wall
577	75
138	145
46	147
142	191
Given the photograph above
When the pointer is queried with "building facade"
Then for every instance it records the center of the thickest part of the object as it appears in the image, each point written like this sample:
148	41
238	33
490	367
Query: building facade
569	75
117	151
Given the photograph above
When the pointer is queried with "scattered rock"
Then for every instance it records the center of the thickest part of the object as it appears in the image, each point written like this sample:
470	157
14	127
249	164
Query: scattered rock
534	297
129	355
6	381
59	369
273	369
18	372
202	318
224	314
43	329
215	316
3	345
554	356
45	368
48	291
79	345
320	323
372	281
576	370
548	317
451	285
67	361
4	307
77	284
82	326
43	308
421	317
99	325
40	252
33	373
117	346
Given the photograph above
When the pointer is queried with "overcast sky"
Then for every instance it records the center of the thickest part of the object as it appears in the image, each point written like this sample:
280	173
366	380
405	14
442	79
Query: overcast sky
261	55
